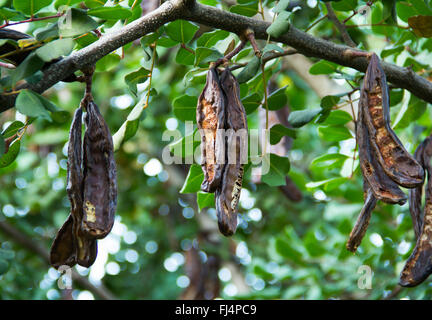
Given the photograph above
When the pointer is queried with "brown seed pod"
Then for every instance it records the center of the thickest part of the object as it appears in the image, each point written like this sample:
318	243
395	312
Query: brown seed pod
69	246
383	187
228	194
100	182
211	120
63	249
396	161
419	264
415	194
363	219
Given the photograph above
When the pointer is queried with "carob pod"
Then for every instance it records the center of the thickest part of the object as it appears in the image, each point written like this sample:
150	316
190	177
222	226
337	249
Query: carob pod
100	181
383	187
228	194
69	246
63	249
363	219
210	117
396	161
415	194
419	264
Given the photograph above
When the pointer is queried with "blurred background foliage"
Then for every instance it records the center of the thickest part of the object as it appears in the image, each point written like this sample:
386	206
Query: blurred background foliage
162	246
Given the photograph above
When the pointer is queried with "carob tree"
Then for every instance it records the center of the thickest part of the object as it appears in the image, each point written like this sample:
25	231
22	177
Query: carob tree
38	62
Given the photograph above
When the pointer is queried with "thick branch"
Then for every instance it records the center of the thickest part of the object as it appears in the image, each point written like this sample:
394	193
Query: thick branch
31	245
189	10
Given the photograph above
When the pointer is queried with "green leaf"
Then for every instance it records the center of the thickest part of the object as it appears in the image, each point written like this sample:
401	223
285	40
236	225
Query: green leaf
277	99
405	10
280	26
329	184
193	180
10	156
396	96
329	161
250	70
78	23
281	6
299	118
130	126
327	103
344	5
323	67
278	170
30	7
29	66
29	104
67	3
334	133
205	55
110	13
181	31
421	7
7	13
209	39
396	51
205	199
389	11
248	10
415	65
251	102
338	117
278	131
55	49
269	49
133	78
12	129
185	57
185	107
47	32
416	108
108	63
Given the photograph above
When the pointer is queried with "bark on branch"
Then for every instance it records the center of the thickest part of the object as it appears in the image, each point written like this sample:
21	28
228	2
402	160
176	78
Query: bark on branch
190	10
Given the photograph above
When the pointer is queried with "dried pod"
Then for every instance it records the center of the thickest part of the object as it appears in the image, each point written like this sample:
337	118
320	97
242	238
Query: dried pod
100	182
63	249
86	250
419	264
383	187
396	161
211	120
415	194
363	219
228	194
69	246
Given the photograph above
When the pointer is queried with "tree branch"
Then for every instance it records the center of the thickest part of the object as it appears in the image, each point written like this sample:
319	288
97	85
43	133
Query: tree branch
33	246
340	26
190	10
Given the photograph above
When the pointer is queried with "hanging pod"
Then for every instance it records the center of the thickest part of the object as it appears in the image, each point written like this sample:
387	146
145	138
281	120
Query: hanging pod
396	161
210	117
236	133
100	181
419	265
